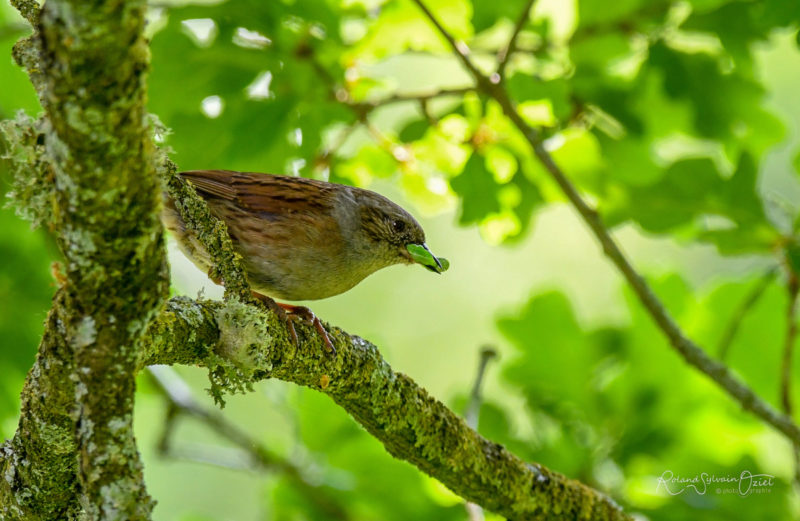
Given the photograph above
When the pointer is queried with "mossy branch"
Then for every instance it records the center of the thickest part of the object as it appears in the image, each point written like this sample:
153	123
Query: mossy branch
93	183
410	423
210	231
39	462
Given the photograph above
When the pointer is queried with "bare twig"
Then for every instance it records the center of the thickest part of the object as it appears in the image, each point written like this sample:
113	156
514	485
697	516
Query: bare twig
505	55
338	143
474	405
474	511
741	312
422	96
793	288
460	48
691	352
181	401
361	110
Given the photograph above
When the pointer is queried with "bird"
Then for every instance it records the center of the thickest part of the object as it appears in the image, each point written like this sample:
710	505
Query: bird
300	238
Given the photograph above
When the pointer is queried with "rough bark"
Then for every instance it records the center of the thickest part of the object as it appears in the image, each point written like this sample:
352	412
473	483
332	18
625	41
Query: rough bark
39	463
247	344
88	62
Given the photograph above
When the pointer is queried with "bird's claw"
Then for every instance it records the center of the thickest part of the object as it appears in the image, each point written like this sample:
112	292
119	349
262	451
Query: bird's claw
279	310
303	313
288	313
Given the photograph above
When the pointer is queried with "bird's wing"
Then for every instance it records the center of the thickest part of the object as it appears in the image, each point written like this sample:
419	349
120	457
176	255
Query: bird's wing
264	193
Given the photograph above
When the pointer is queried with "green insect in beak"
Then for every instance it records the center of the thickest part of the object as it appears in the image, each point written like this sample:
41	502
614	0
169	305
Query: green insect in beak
422	255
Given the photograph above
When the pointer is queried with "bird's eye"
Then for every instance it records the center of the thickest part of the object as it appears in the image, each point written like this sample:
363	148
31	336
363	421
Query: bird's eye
398	226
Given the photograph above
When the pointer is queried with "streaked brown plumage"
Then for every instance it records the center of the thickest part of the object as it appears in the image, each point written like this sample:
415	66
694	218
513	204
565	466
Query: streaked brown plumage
300	239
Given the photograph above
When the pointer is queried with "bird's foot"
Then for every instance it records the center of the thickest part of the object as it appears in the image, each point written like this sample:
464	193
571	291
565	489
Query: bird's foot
288	313
306	314
278	309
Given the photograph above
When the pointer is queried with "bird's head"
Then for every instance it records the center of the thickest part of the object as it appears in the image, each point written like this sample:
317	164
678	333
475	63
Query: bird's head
396	233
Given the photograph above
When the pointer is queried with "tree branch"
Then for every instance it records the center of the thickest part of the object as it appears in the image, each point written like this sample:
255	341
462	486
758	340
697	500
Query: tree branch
411	424
741	312
419	97
210	231
472	412
39	462
88	64
793	290
511	46
29	9
691	352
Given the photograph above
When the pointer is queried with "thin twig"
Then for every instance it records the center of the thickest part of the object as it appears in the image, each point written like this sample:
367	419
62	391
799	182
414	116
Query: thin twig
472	411
741	312
460	48
361	110
793	288
181	401
690	351
474	511
340	140
505	55
422	96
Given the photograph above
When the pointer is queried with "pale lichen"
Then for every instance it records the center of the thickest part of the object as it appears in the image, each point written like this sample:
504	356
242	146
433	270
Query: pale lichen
240	353
242	327
32	182
85	333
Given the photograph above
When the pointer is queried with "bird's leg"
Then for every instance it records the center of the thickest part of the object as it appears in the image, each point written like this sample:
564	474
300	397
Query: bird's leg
279	310
285	312
305	313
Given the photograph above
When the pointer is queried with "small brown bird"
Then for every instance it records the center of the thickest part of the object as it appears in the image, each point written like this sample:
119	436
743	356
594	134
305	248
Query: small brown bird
303	239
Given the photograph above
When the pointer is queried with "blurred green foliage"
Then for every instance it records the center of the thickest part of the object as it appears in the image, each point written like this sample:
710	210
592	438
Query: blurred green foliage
658	111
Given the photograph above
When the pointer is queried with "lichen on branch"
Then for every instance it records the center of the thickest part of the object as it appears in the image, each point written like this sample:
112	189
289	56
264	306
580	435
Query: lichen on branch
32	177
85	170
211	231
410	423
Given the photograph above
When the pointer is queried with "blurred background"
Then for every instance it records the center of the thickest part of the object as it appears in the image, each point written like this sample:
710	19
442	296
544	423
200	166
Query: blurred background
679	120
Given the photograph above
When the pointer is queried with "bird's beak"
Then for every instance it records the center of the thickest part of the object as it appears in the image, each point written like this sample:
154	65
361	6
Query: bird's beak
422	255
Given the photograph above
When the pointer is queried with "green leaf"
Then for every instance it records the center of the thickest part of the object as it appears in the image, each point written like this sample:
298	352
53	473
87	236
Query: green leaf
591	13
400	27
486	14
478	190
596	55
523	88
727	107
693	195
414	130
